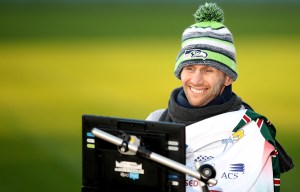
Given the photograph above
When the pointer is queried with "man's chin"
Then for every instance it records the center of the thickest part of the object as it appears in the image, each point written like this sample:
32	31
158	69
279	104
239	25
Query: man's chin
196	103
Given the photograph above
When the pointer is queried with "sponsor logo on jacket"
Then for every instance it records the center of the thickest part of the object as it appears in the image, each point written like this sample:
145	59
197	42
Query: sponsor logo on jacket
235	137
234	171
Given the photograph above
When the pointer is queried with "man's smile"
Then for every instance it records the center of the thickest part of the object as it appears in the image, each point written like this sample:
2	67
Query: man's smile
195	90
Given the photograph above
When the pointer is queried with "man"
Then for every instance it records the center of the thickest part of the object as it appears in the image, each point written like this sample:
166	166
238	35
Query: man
222	130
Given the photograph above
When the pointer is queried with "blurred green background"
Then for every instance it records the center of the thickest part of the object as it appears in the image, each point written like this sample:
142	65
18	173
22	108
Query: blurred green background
62	59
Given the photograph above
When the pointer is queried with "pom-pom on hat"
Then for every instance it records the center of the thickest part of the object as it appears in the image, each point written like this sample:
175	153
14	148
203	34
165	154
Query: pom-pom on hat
208	42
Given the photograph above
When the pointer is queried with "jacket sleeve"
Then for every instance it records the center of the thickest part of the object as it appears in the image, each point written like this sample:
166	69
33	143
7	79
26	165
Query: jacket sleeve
268	131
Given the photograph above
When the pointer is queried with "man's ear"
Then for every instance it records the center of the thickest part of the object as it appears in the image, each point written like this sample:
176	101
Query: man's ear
228	81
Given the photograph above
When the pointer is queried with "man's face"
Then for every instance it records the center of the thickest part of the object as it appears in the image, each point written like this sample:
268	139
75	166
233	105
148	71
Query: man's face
201	84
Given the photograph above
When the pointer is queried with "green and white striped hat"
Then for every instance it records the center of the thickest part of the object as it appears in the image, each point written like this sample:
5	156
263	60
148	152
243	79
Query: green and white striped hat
208	42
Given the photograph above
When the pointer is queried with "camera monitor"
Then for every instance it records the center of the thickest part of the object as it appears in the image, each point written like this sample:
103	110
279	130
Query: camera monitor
106	169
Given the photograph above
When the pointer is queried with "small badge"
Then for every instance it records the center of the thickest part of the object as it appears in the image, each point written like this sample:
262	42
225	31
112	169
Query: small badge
195	53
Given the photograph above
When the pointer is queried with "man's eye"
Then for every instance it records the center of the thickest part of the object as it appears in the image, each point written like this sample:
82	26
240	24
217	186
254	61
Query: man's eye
209	70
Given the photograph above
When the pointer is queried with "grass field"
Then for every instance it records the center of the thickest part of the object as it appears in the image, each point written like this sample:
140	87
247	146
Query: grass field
49	78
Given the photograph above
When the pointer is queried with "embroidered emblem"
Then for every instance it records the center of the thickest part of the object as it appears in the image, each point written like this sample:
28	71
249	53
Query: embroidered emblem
195	53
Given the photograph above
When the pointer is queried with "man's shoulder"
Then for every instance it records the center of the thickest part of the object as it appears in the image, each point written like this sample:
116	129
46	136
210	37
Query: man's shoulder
155	115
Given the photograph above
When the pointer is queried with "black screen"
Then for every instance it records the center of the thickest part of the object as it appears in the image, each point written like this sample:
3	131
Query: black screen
105	169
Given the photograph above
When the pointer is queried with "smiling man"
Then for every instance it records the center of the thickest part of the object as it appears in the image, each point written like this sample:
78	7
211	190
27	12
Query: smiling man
221	130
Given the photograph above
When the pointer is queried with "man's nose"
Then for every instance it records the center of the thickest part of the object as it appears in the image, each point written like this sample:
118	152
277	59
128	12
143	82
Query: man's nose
197	78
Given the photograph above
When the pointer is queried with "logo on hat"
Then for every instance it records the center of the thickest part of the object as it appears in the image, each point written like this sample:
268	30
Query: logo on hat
195	53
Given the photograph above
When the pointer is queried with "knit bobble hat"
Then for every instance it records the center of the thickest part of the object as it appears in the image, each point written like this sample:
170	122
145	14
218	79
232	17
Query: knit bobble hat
208	42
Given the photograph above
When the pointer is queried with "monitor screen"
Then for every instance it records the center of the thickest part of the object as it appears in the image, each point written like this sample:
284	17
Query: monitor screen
105	169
